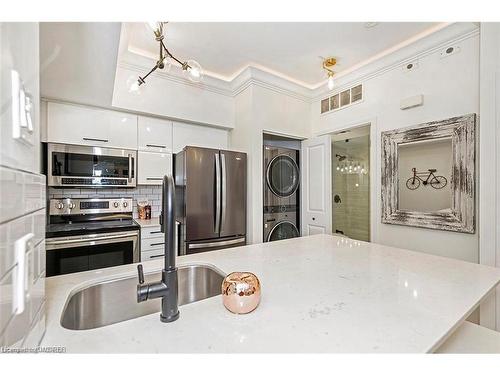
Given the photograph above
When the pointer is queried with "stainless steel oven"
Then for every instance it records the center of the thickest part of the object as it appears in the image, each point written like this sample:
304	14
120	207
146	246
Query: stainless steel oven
90	233
87	166
91	251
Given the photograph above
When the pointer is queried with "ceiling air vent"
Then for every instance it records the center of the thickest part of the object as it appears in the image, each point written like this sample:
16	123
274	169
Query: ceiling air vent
342	99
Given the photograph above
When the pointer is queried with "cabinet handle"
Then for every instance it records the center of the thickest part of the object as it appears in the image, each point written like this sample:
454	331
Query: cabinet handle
95	139
154	178
155	232
158	146
157	243
156	256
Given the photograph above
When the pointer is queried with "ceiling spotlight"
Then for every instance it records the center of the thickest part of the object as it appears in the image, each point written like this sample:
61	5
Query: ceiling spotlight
190	68
328	65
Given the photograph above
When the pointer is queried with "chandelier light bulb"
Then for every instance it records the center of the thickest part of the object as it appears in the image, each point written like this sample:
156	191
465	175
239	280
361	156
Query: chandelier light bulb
330	82
167	64
193	71
154	25
133	85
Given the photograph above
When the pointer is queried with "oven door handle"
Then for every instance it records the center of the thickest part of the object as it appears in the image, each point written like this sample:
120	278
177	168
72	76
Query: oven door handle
54	244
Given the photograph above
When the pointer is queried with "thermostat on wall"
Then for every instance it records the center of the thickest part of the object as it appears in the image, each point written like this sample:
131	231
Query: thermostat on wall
414	101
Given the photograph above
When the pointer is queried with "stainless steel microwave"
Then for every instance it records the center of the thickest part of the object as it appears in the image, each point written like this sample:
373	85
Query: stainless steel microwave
87	166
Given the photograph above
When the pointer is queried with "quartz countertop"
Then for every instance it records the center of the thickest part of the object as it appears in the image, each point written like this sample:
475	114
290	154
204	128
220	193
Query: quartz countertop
320	293
153	222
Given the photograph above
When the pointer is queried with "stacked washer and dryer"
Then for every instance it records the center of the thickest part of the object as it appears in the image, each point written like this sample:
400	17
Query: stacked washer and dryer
281	193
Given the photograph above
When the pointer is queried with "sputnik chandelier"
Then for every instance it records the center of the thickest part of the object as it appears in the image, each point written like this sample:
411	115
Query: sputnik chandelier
190	68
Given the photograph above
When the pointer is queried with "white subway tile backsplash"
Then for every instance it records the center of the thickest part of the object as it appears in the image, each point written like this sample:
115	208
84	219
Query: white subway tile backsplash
38	224
22	211
149	193
6	300
34	195
11	194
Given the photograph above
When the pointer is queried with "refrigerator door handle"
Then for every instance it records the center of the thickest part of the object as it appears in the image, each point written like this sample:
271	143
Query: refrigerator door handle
207	245
224	191
217	193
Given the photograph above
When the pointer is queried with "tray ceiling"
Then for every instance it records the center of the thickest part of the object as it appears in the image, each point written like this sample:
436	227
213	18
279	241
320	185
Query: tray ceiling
291	50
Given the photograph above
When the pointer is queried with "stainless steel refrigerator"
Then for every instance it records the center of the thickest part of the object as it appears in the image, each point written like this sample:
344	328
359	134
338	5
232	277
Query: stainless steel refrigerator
210	199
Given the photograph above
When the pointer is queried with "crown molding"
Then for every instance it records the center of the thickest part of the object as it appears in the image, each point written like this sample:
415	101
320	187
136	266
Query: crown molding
420	46
248	76
454	33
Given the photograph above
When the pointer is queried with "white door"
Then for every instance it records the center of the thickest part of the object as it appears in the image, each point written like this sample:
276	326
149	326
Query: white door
316	185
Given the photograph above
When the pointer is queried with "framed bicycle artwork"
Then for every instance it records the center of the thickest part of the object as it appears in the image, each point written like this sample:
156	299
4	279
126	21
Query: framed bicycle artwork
428	175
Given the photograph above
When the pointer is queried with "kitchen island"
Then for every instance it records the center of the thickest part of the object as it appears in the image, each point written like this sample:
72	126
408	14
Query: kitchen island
320	293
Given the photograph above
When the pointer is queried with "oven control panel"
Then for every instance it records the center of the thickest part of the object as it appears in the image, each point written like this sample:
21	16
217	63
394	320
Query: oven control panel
74	206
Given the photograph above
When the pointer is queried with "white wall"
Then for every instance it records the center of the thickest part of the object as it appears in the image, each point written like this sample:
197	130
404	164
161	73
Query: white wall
280	113
174	99
450	87
78	61
489	168
259	110
245	138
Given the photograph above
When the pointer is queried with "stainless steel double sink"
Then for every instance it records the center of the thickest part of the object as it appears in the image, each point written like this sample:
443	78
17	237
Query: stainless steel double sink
114	300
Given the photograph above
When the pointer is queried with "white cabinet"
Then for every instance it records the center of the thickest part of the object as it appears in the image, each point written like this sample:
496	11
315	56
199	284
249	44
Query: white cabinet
154	135
198	135
80	125
152	166
153	242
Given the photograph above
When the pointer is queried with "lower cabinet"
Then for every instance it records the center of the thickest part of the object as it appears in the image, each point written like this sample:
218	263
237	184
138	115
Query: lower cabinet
152	254
153	242
152	166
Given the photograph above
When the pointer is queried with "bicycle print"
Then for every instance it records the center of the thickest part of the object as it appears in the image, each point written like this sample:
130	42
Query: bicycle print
426	178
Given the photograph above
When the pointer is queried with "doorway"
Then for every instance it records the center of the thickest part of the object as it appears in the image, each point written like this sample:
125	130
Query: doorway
351	183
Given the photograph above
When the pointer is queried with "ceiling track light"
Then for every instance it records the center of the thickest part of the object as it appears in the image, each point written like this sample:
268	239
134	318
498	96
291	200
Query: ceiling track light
190	68
328	65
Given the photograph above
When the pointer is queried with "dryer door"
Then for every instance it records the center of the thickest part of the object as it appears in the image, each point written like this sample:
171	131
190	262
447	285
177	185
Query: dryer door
282	231
283	176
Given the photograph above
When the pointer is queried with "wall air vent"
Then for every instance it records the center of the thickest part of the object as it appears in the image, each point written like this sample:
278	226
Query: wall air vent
342	99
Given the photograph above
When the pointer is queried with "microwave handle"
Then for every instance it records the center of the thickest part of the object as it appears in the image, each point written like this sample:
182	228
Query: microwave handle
129	167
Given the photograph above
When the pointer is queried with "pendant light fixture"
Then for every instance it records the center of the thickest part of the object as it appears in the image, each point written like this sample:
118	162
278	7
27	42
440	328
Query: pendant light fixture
190	69
328	65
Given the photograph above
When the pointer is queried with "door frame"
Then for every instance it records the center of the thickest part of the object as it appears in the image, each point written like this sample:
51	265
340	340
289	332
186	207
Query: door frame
375	204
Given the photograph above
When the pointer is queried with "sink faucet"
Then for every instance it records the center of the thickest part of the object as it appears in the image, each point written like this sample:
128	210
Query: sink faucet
166	289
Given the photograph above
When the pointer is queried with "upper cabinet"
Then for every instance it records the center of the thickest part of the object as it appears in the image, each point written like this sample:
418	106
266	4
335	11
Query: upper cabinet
152	166
80	125
198	135
154	135
90	126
